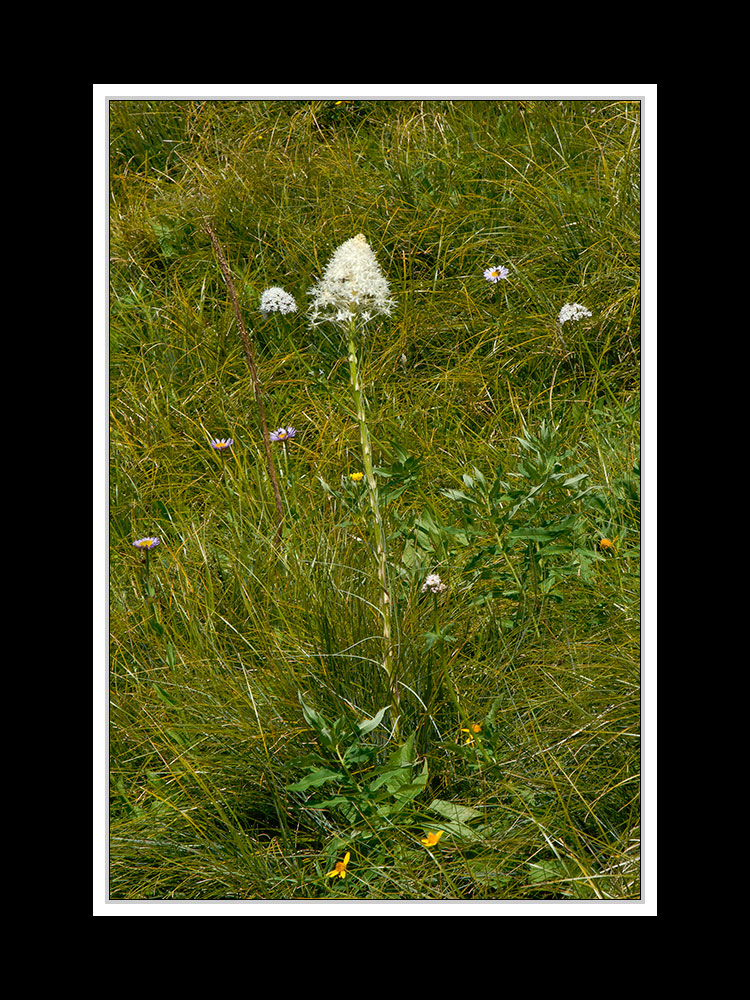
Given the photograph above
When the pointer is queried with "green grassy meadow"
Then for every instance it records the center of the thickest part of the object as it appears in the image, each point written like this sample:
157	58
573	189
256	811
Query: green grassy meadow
253	739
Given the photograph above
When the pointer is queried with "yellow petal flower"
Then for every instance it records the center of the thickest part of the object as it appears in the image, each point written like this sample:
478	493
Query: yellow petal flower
606	544
356	476
432	838
340	867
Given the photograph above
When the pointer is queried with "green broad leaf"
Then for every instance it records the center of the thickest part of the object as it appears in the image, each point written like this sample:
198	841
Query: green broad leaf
575	479
314	780
479	475
369	724
164	696
458	495
404	756
414	788
555	549
396	492
454	812
356	754
538	534
337	802
542	871
460	831
431	638
487	875
391	780
399	781
316	721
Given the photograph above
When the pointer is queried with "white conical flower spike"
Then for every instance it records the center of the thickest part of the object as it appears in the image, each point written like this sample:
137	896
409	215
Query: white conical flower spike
352	286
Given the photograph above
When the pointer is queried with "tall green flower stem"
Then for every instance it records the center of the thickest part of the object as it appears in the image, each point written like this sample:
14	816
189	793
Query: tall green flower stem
250	358
353	291
380	540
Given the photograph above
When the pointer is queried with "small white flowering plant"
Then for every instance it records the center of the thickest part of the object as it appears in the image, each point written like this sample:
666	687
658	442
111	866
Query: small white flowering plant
433	584
572	311
275	299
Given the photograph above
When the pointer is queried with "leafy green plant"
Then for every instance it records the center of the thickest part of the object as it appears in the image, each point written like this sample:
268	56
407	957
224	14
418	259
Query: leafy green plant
368	792
537	515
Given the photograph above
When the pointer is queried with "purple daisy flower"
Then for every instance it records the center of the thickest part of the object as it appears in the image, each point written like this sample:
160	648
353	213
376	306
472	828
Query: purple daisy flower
494	274
146	543
282	434
222	444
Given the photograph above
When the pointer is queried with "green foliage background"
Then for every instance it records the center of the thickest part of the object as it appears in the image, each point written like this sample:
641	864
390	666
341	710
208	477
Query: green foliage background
507	448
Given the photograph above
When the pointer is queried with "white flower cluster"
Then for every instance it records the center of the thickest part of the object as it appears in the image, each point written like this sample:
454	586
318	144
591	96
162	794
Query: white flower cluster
574	311
352	286
277	300
433	584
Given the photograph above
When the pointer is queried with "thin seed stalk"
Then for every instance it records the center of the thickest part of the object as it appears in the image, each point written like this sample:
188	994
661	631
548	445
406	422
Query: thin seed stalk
380	545
250	358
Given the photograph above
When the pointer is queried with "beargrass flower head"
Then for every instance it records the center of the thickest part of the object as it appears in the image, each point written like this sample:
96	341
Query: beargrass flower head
432	838
282	434
572	311
275	299
433	584
497	273
352	286
340	867
146	543
222	444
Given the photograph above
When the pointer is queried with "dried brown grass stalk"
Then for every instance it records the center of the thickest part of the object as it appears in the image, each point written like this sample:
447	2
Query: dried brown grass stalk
250	357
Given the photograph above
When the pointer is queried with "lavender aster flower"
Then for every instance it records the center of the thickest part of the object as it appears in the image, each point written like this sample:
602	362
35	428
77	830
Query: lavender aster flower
277	300
494	274
146	543
222	444
573	311
352	286
282	434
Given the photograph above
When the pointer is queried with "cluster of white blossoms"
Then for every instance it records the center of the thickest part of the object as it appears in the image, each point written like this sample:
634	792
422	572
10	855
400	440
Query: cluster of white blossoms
574	311
277	300
352	286
433	584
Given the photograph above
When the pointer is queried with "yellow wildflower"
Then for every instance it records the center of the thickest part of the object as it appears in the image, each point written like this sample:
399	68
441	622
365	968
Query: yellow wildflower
474	729
340	867
432	838
606	545
356	476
